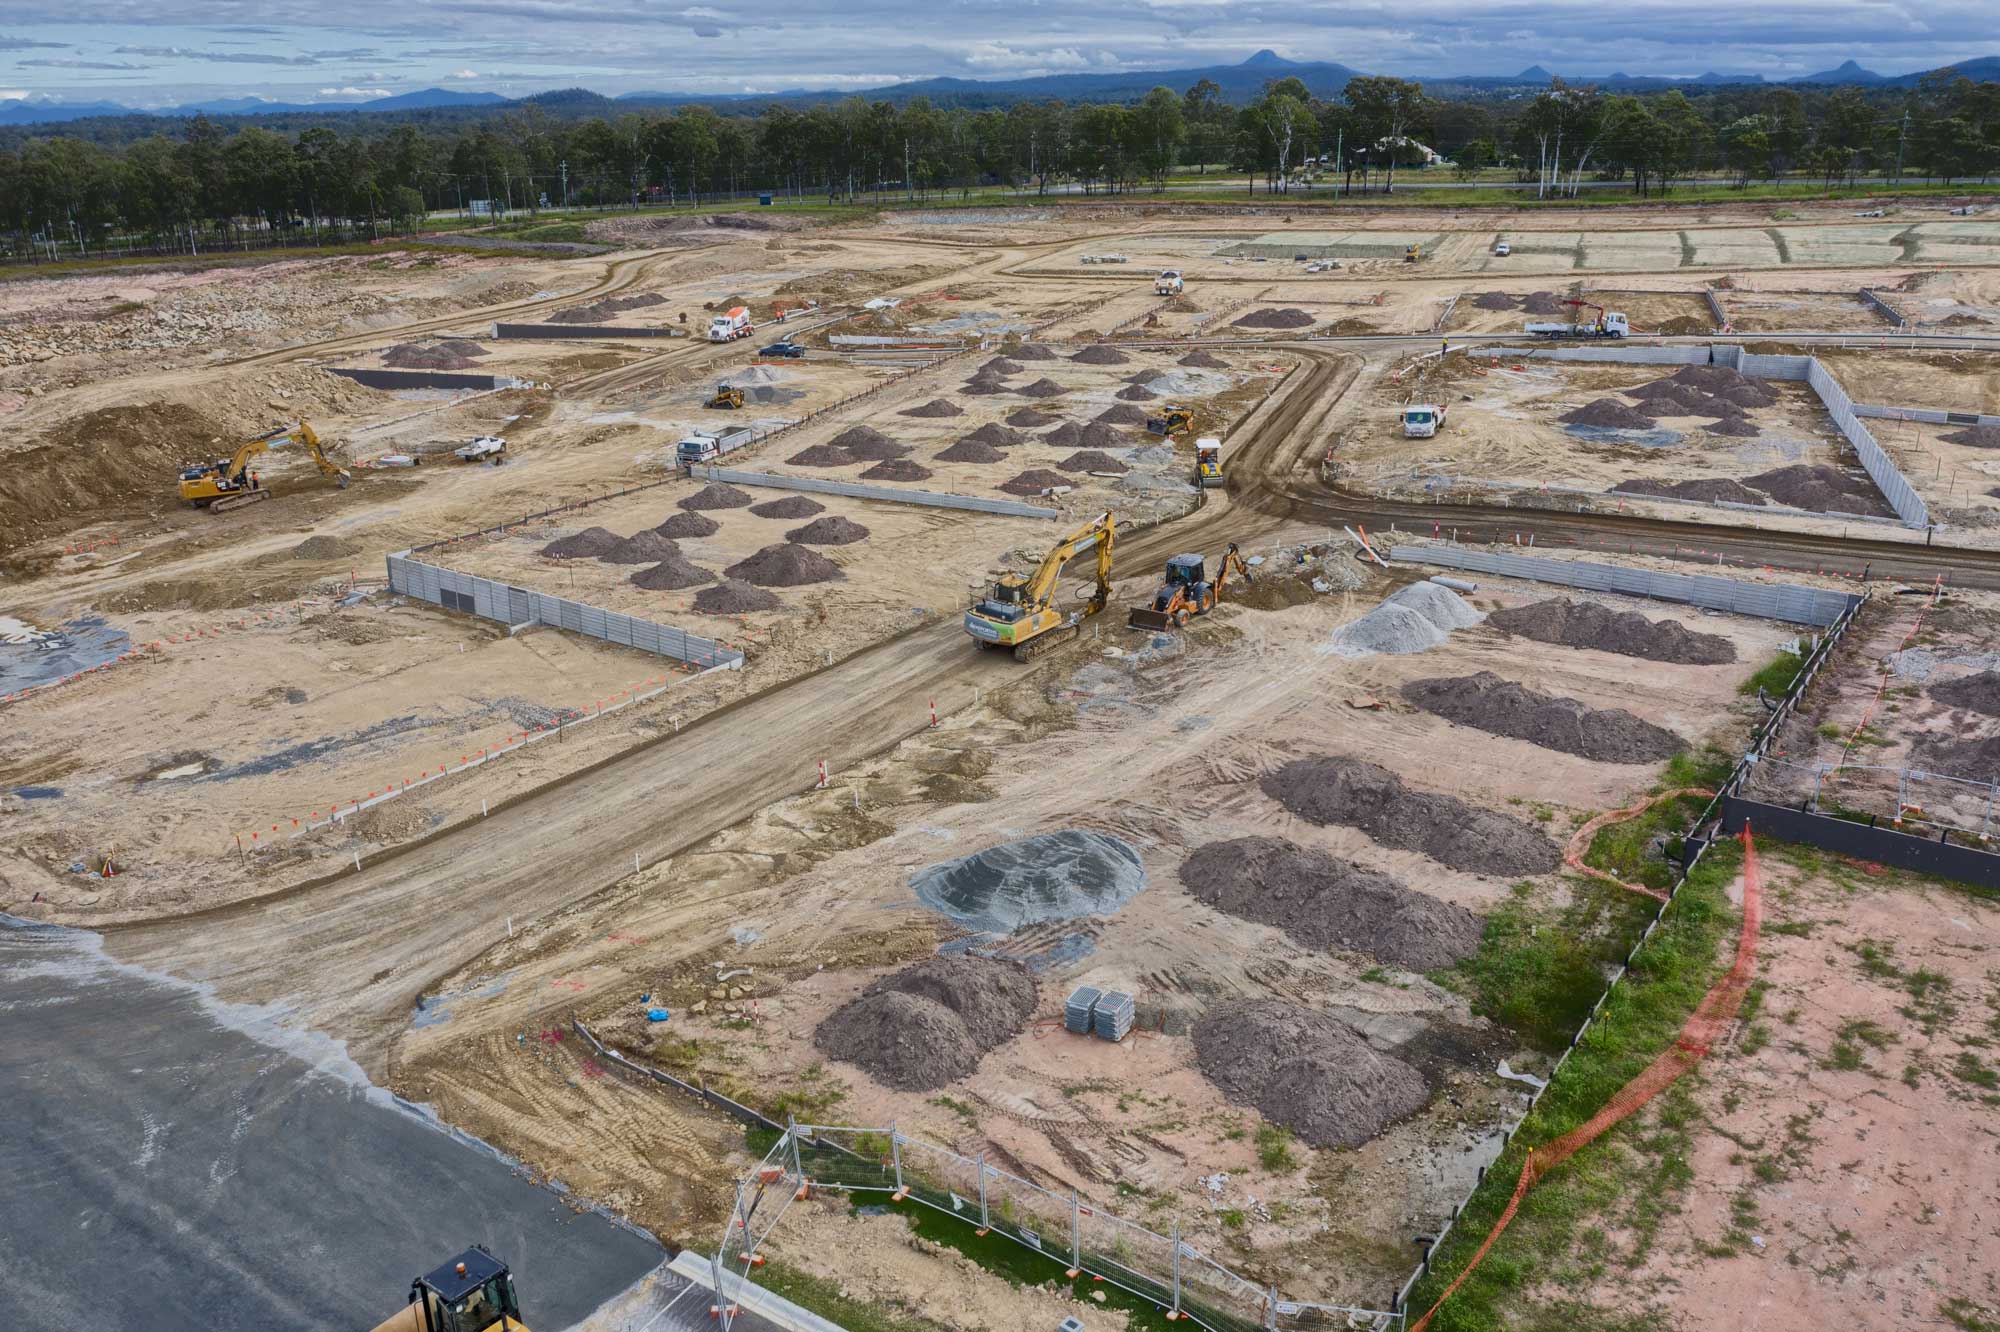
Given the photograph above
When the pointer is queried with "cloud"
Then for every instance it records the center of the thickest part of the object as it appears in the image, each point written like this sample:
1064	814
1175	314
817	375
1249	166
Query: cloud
222	57
463	74
353	92
1020	60
13	94
706	30
77	64
27	44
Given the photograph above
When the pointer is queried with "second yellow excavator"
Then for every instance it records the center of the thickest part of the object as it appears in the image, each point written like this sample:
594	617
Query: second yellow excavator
228	483
1020	612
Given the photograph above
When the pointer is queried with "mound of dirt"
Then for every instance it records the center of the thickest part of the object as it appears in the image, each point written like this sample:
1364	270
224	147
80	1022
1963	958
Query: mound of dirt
999	436
897	469
1327	903
325	548
935	407
1034	481
1415	618
1043	388
1734	384
643	548
785	565
1091	460
1501	707
832	530
715	495
1067	435
1972	758
823	455
972	451
1307	1070
982	388
451	354
1060	875
1819	488
731	597
689	526
1978	437
589	544
1709	491
1201	360
1289	317
1350	793
1586	624
605	309
791	506
929	1025
1027	418
1683	325
1136	393
1121	415
1493	300
1000	365
1610	413
1096	435
671	575
1099	354
1737	427
1032	351
1542	303
868	444
1975	693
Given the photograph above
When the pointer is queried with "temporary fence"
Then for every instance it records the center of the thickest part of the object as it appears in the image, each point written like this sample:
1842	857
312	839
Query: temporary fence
1931	415
1772	601
557	332
892	494
1882	307
427	379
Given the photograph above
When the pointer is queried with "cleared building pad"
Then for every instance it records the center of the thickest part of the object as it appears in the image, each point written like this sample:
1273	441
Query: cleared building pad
1354	794
1306	1070
929	1025
1051	876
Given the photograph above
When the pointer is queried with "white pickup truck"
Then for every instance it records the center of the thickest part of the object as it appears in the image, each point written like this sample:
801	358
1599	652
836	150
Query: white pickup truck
1168	283
706	445
487	448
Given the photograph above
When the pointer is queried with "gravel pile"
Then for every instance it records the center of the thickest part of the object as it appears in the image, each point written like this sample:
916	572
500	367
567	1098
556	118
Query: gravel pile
1709	490
929	1025
998	436
1061	875
671	575
1120	415
1500	707
1043	388
868	444
1289	317
791	506
1307	1070
731	597
325	548
1136	393
589	544
832	530
1099	354
715	495
935	407
1201	360
823	455
1609	413
1412	619
1027	418
1978	437
1032	351
1819	488
972	451
643	548
784	565
1976	693
1586	624
688	526
1327	903
1034	481
1350	793
1000	365
1091	460
897	469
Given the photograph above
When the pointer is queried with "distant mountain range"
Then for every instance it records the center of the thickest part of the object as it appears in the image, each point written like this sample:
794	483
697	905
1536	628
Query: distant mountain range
1237	83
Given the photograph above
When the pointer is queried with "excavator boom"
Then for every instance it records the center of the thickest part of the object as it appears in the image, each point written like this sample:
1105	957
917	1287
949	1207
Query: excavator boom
228	483
1020	612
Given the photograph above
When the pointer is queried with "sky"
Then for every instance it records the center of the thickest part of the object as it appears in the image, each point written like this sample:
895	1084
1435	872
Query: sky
116	51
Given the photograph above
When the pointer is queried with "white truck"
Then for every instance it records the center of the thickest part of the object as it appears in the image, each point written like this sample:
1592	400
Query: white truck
1421	420
487	448
707	445
1609	324
730	325
1168	283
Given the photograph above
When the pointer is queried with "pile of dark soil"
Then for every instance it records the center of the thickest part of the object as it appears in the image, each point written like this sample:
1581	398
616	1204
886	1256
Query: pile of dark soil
1739	427
733	598
1307	1070
1091	460
1136	393
1349	793
1819	488
935	407
1976	693
1099	354
1027	418
1586	624
823	455
1683	325
791	506
1067	435
605	309
671	575
644	548
588	544
1288	317
1121	415
1709	491
1738	387
452	354
929	1025
1034	481
1493	300
1543	303
1096	435
1201	360
982	388
715	495
1609	413
999	436
1000	365
972	451
1032	351
1327	903
785	565
1973	758
832	530
325	548
1043	388
1978	437
1500	707
688	526
897	469
868	444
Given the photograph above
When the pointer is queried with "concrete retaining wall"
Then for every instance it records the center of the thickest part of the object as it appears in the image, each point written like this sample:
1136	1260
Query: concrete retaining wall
1930	414
428	379
553	332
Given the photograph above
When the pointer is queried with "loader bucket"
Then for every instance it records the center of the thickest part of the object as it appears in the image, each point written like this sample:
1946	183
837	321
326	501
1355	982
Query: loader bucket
1145	617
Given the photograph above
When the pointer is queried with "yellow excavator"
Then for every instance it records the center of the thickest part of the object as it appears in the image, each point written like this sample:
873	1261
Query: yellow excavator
1020	613
728	398
471	1293
1188	591
228	483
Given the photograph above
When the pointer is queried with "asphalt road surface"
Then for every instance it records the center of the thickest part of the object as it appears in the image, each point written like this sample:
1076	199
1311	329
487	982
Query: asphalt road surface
177	1165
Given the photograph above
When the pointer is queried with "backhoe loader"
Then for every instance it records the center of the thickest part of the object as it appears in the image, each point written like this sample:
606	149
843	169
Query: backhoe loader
1020	613
1187	591
470	1293
228	483
728	398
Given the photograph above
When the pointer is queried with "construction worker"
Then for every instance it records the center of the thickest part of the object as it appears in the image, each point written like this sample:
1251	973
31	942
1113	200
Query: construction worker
1445	349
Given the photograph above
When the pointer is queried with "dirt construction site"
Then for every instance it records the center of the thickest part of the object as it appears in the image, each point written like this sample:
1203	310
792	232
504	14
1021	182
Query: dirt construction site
389	755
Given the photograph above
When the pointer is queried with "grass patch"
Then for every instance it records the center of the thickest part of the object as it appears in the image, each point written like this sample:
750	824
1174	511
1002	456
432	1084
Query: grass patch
823	1297
1274	1148
1775	677
1969	1067
1969	1317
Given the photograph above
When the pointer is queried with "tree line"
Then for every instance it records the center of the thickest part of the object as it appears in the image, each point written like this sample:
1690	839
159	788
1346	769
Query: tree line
62	191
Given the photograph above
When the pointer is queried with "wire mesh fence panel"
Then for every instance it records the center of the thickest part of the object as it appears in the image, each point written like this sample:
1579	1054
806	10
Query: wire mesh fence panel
848	1158
1131	1255
1207	1285
941	1177
1029	1213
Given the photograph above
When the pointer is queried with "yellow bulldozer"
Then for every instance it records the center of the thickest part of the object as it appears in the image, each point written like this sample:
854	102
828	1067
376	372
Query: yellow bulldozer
1188	591
1413	253
1171	421
728	398
470	1293
1020	613
228	483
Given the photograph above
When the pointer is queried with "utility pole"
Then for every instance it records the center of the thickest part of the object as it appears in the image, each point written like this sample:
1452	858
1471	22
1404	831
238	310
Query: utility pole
1902	133
565	182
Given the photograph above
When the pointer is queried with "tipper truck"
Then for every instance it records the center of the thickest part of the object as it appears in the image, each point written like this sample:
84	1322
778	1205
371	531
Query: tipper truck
730	325
707	445
1421	420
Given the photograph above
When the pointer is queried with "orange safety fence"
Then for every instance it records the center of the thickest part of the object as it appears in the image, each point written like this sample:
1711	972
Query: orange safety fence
1711	1017
1579	841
